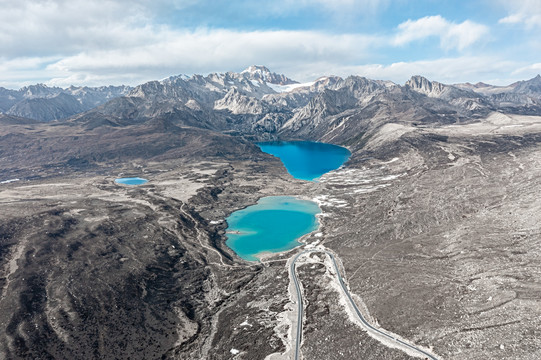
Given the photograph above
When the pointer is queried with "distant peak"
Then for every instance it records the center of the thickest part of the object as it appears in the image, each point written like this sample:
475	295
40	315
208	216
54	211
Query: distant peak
422	85
481	84
171	79
260	72
532	80
418	81
36	86
254	69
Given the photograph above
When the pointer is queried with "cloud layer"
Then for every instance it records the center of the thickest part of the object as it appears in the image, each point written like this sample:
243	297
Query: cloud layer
523	12
64	42
451	35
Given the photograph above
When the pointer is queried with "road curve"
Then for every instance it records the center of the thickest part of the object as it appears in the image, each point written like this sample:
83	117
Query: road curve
368	326
300	308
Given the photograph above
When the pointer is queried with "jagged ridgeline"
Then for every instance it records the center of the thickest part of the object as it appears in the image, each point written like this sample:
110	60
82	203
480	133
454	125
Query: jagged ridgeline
263	99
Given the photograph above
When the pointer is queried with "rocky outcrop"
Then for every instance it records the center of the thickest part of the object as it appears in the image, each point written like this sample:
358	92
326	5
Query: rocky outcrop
460	97
237	103
513	97
424	86
340	97
530	87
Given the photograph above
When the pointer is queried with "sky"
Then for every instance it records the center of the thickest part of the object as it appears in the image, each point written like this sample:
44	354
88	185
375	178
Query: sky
114	42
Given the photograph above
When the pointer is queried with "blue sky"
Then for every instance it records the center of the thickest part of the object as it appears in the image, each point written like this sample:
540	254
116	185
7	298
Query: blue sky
81	42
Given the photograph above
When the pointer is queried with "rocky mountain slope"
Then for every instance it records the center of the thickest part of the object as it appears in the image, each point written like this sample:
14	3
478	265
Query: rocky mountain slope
525	94
40	102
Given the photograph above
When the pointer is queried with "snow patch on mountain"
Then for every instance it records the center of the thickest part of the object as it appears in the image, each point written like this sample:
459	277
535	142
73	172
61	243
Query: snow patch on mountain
290	87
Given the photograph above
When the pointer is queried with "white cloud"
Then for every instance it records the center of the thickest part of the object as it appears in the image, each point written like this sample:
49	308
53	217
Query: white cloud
96	42
523	12
204	51
336	13
64	42
302	55
452	35
46	27
528	71
342	7
447	70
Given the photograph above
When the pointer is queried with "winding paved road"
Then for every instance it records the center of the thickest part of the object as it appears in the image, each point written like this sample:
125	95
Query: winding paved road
368	326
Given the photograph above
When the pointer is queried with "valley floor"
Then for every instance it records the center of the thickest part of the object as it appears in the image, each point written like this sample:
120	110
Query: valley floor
439	238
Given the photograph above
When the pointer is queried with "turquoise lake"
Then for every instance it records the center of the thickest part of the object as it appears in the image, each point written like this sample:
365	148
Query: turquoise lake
307	160
131	181
276	223
272	225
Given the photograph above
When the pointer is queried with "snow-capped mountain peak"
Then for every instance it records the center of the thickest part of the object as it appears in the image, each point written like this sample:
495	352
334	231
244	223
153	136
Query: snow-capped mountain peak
260	72
256	69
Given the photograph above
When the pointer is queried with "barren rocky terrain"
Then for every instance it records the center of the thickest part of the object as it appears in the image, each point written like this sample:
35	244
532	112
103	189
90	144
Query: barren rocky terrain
435	220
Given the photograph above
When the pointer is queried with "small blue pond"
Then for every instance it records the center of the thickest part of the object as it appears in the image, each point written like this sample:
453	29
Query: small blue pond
131	181
307	160
272	225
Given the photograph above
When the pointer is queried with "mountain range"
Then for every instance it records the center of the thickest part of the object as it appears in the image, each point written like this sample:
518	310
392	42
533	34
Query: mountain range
259	101
44	103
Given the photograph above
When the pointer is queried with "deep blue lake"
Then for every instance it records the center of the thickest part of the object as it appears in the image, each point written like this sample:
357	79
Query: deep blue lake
307	160
131	181
272	225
